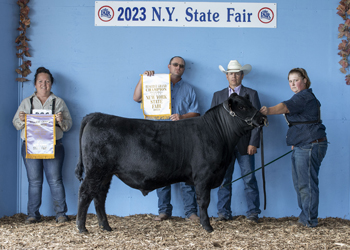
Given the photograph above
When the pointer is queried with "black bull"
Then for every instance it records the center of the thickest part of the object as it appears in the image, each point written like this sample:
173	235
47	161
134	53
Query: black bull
147	155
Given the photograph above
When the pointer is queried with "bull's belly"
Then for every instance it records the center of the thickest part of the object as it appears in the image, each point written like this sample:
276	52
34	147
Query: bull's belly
149	182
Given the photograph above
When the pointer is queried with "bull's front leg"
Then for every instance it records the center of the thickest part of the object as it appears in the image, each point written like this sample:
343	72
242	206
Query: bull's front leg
203	200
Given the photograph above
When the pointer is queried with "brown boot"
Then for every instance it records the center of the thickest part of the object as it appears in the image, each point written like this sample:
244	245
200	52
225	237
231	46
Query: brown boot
161	217
194	218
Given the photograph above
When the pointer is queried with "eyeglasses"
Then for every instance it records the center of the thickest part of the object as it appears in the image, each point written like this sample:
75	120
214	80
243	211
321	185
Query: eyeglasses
177	64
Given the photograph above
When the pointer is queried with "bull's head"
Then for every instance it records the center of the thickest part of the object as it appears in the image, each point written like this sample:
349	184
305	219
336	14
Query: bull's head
242	108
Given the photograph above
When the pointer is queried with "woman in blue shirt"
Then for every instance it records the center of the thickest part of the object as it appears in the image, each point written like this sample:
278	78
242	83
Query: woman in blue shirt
307	137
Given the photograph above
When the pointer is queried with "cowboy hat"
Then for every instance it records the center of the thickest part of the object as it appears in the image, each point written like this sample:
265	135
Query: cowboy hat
235	66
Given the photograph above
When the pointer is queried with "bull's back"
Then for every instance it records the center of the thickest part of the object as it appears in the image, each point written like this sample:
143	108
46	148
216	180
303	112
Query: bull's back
135	146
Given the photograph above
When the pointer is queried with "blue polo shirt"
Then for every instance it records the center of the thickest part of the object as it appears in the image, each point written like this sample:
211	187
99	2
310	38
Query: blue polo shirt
304	106
183	98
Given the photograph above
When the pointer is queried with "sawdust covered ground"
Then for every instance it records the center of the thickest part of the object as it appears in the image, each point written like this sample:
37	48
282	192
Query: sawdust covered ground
142	232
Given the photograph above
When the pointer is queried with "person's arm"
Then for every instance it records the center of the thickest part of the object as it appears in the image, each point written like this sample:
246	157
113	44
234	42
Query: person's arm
176	117
192	110
214	101
251	150
280	108
254	140
63	116
23	109
138	91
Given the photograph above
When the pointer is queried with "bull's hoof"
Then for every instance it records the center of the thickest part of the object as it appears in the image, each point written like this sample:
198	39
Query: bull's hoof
83	231
104	226
81	227
209	228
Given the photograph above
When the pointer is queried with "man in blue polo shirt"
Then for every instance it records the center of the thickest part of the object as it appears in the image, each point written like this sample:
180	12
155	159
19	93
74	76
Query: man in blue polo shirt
184	105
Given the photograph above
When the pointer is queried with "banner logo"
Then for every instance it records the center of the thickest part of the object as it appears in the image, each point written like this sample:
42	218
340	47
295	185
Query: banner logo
266	15
106	13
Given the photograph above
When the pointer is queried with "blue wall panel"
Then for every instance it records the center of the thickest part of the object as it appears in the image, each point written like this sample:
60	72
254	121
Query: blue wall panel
8	102
97	68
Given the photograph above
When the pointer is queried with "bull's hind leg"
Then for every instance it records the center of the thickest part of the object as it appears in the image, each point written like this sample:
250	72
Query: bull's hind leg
203	200
100	200
84	200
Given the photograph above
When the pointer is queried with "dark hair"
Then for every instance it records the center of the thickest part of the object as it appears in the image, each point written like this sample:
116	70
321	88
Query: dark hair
43	70
302	73
177	57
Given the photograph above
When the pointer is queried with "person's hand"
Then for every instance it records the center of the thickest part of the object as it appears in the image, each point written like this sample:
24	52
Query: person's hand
149	72
22	116
175	117
251	150
264	110
59	117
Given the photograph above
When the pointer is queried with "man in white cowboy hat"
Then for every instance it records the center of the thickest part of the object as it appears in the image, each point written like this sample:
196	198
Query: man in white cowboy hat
184	105
245	149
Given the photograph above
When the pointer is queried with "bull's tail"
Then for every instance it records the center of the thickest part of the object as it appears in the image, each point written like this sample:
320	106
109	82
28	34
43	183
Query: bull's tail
79	169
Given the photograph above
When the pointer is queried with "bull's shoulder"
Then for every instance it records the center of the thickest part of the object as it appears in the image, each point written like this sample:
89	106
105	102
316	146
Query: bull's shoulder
95	115
99	118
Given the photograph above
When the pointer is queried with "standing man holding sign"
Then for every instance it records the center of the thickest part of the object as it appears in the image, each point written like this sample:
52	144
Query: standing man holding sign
184	105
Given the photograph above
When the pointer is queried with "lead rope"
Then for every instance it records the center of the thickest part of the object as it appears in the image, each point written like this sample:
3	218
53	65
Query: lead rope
263	165
258	168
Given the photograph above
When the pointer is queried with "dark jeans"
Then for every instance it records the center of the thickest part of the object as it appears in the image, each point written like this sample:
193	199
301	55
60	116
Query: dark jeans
247	165
188	197
53	172
306	162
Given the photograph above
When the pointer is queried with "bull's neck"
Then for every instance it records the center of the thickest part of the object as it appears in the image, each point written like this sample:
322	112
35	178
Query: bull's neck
224	126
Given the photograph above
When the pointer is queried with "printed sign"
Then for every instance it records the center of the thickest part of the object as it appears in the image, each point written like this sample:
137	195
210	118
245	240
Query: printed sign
40	136
156	96
186	14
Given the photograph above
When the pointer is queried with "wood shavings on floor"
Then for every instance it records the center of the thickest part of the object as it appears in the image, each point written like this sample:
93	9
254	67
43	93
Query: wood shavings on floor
142	232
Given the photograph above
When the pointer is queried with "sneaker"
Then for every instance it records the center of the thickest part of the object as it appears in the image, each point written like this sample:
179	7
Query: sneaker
62	219
161	217
253	218
194	218
31	220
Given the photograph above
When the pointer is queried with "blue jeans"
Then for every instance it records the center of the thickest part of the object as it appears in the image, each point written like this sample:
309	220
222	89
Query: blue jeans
306	162
247	165
188	197
53	173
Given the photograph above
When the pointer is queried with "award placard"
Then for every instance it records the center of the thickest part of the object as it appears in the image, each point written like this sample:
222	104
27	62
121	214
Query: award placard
40	136
156	96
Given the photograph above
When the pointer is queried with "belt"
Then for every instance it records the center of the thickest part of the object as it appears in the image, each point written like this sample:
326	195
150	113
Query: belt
319	140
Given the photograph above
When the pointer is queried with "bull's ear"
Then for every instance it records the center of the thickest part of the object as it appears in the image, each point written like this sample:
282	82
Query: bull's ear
230	103
246	96
226	105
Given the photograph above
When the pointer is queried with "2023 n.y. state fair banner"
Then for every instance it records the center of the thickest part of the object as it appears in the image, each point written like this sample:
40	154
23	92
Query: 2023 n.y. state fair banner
186	14
40	136
156	96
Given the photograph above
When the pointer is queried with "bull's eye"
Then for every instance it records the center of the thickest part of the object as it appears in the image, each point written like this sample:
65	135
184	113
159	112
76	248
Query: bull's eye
242	108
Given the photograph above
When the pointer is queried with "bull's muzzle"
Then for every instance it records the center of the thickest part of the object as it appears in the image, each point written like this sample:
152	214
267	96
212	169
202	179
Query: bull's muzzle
261	120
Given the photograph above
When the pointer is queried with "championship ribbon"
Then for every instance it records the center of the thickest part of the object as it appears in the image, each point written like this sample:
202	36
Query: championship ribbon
40	136
156	96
